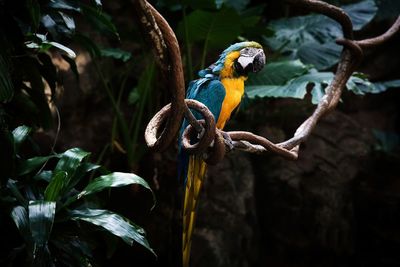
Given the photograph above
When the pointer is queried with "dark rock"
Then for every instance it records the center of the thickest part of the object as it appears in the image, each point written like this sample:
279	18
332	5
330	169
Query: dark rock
226	226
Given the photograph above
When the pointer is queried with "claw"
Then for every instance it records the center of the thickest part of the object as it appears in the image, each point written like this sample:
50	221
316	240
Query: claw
228	141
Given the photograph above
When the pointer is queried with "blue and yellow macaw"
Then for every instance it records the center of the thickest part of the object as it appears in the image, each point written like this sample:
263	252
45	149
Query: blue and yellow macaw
221	88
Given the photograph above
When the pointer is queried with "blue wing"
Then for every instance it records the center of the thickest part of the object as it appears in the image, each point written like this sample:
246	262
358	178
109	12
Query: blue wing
211	93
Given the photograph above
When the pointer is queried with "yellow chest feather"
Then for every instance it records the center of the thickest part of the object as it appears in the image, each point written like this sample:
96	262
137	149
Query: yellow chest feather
234	90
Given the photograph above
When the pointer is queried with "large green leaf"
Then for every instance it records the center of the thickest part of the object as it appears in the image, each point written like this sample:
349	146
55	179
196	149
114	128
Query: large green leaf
311	38
64	5
297	87
277	73
113	223
21	220
41	219
70	160
361	13
115	179
215	28
363	87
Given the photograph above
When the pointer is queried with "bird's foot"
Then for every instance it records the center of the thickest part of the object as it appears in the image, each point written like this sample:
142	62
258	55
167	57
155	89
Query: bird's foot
228	141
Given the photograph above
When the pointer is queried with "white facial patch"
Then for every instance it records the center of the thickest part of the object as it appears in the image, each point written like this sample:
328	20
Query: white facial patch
245	60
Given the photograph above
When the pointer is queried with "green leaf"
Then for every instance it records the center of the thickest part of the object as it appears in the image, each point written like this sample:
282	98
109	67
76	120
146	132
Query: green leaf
32	164
215	28
12	185
116	53
277	73
115	179
64	5
21	220
68	51
113	223
20	134
295	88
362	86
98	2
383	86
41	219
311	38
361	13
56	187
321	56
44	175
69	22
6	85
70	160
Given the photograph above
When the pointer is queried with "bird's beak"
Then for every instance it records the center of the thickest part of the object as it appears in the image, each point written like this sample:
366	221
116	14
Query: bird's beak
251	59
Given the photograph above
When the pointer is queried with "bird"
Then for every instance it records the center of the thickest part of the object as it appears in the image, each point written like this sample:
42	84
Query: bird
220	87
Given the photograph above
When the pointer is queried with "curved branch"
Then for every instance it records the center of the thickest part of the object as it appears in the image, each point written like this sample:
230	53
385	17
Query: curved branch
372	42
166	49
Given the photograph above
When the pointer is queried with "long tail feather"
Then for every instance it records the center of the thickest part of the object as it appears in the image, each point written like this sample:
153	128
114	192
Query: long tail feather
195	175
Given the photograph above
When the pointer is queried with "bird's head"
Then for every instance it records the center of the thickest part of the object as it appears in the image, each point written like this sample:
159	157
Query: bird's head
237	60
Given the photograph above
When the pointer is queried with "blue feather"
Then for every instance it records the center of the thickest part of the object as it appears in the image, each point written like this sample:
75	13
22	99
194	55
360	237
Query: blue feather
211	93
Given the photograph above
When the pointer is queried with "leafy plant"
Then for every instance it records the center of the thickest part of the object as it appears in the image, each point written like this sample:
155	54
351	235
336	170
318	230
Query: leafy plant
313	44
292	78
29	31
311	38
49	204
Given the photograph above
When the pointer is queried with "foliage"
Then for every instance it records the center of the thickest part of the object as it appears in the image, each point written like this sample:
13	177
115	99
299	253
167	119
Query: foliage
292	78
33	30
313	41
46	205
51	199
313	44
